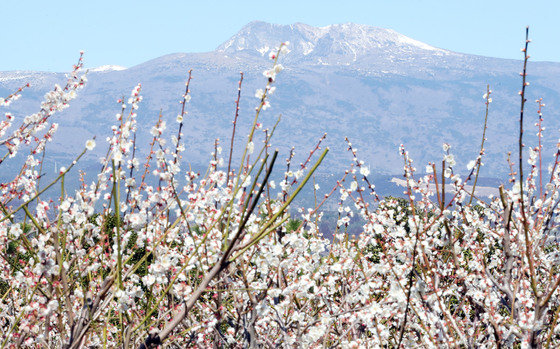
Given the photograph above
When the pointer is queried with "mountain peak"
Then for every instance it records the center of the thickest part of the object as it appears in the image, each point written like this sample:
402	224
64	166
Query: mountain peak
340	41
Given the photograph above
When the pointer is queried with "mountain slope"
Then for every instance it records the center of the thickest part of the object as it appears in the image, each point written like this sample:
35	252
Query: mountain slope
376	86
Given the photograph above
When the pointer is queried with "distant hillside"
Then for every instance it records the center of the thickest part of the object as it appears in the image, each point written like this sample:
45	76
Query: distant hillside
374	85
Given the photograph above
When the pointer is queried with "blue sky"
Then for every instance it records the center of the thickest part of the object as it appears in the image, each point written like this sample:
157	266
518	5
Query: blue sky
47	35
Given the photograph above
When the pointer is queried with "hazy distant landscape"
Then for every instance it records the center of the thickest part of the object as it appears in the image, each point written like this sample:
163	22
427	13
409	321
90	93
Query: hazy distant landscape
376	86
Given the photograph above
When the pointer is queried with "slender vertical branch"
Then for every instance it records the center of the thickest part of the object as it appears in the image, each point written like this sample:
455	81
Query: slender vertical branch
523	100
116	194
234	126
539	113
478	162
186	98
528	244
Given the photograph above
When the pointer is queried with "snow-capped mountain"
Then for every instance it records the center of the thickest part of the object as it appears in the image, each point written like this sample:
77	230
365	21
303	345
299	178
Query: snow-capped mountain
346	42
374	85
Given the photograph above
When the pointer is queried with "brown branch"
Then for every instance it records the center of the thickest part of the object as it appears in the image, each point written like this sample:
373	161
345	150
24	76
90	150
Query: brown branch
234	125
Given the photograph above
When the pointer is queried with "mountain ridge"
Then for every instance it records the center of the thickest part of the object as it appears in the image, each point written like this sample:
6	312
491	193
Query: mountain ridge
380	98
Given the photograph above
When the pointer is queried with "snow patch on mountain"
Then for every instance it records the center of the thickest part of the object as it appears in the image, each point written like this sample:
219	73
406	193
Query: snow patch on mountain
405	40
264	50
17	78
16	75
108	68
307	48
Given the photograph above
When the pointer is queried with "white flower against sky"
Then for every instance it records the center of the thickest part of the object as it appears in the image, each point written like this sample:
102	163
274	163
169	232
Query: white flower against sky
90	144
364	171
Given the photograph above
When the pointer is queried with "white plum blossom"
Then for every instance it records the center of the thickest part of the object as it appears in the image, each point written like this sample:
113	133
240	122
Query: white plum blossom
364	171
250	148
90	144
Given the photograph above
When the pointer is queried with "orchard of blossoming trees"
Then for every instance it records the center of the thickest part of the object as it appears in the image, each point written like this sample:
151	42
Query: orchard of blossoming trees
215	259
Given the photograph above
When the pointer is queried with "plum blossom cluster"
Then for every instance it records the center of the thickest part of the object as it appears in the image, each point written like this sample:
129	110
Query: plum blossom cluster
270	74
34	132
